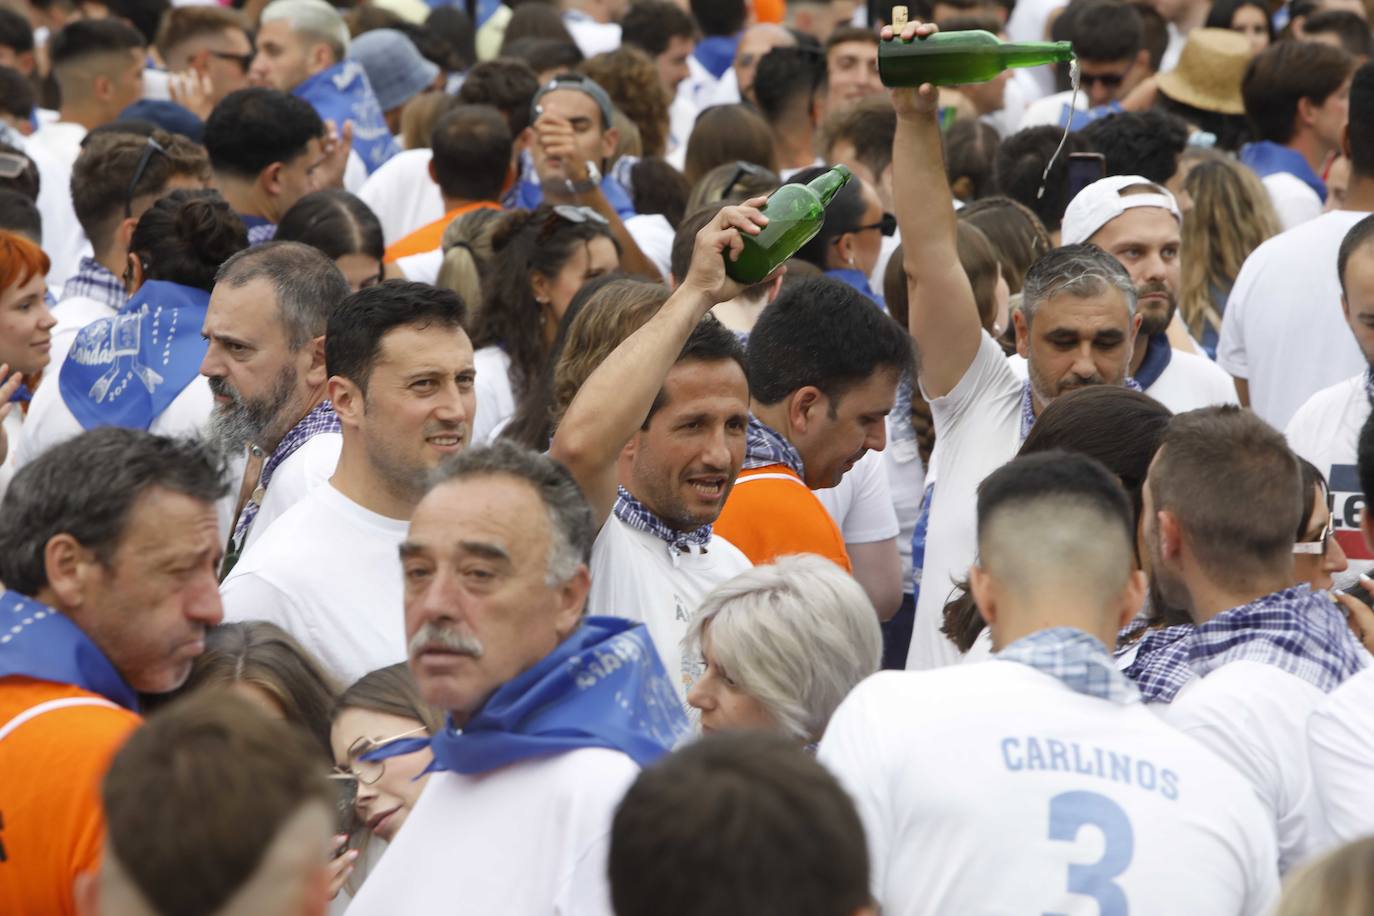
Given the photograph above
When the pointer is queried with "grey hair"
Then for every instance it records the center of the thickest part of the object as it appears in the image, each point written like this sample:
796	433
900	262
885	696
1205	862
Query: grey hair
1078	270
308	285
796	634
87	486
570	517
313	17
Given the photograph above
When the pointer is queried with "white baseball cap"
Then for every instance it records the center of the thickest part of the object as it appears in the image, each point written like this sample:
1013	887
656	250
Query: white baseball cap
1102	201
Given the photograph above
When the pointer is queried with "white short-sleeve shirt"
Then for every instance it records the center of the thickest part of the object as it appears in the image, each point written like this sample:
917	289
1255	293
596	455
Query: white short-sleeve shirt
327	572
494	392
861	504
1283	329
1340	735
994	788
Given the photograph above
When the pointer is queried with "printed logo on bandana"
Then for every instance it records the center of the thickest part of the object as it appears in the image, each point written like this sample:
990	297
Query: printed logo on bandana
1347	502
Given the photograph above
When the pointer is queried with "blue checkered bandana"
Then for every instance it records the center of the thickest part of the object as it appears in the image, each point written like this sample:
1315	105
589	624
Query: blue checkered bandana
1297	630
1076	659
765	445
639	517
1160	668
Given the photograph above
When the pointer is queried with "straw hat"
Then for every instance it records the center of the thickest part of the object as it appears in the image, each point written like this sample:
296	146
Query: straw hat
1209	71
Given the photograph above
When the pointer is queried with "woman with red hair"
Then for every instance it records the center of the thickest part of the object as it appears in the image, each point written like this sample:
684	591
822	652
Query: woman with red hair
26	325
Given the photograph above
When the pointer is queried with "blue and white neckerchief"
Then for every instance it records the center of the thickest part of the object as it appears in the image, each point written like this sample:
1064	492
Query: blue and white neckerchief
321	419
1296	630
1369	384
640	517
1265	158
1160	667
39	642
1079	661
94	280
125	370
1028	405
765	445
343	94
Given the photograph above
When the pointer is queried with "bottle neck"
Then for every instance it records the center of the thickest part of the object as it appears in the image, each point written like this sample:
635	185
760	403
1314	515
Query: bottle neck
1035	53
828	185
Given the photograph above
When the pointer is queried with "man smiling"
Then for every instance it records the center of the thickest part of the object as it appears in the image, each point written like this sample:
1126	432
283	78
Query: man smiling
401	381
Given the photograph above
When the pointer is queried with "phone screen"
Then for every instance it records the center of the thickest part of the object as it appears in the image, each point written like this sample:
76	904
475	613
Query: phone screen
1084	169
345	801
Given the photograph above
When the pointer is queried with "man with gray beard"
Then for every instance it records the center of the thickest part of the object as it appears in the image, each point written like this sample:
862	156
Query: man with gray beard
401	374
265	365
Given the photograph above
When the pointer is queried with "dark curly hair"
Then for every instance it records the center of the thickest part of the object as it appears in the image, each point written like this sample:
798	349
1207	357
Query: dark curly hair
185	237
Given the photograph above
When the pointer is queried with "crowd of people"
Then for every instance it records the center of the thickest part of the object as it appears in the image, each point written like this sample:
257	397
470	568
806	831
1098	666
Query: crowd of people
403	510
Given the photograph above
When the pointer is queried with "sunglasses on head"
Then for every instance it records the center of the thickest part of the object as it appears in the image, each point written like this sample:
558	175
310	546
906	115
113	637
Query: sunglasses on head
152	146
742	168
12	165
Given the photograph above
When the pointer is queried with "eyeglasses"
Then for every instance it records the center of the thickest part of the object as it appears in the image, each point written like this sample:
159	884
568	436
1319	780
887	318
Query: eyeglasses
887	226
12	165
743	168
1322	544
1108	80
243	60
152	146
368	772
568	213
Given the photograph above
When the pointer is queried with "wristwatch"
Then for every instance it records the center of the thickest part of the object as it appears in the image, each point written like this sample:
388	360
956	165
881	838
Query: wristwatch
590	183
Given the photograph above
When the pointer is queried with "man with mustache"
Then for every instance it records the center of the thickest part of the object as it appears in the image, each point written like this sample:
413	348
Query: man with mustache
1076	327
109	548
550	713
1137	222
401	377
655	439
265	365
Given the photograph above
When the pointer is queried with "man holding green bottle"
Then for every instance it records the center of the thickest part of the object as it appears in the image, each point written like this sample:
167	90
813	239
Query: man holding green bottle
1076	328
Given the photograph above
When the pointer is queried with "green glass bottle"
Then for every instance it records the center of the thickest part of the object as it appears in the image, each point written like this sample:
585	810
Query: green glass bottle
795	214
957	58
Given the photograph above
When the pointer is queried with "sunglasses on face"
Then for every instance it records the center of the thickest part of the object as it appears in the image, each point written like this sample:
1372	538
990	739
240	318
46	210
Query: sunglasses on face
887	226
1322	544
244	61
1108	80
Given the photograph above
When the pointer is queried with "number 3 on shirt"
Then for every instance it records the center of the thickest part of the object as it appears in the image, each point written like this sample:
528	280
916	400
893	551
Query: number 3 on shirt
1069	813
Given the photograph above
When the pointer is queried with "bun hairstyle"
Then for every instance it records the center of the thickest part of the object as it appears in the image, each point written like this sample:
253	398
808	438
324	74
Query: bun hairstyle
527	242
185	237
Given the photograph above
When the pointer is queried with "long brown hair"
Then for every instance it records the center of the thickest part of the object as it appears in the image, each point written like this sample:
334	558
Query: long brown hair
392	691
1231	216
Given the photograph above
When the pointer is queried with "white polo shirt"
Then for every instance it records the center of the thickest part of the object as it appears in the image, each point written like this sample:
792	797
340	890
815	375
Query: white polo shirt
994	788
1283	329
327	572
1340	735
639	577
529	839
1326	431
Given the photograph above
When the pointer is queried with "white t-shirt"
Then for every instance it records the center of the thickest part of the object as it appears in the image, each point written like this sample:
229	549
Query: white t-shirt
494	392
1255	716
328	573
54	148
402	194
308	467
906	480
423	267
1326	431
1340	736
1295	202
994	788
13	425
1283	328
51	421
592	37
862	502
639	577
654	235
1049	111
1189	382
529	839
977	430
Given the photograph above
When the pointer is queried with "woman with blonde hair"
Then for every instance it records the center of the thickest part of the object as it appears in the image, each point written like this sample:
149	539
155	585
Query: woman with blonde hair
467	255
1231	216
1340	883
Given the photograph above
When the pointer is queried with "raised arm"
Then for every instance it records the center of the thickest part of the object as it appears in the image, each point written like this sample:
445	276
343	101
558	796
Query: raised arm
611	405
942	316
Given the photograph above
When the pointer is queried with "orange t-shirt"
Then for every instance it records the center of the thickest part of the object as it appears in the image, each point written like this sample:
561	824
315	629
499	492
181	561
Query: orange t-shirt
431	237
51	822
770	513
769	10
